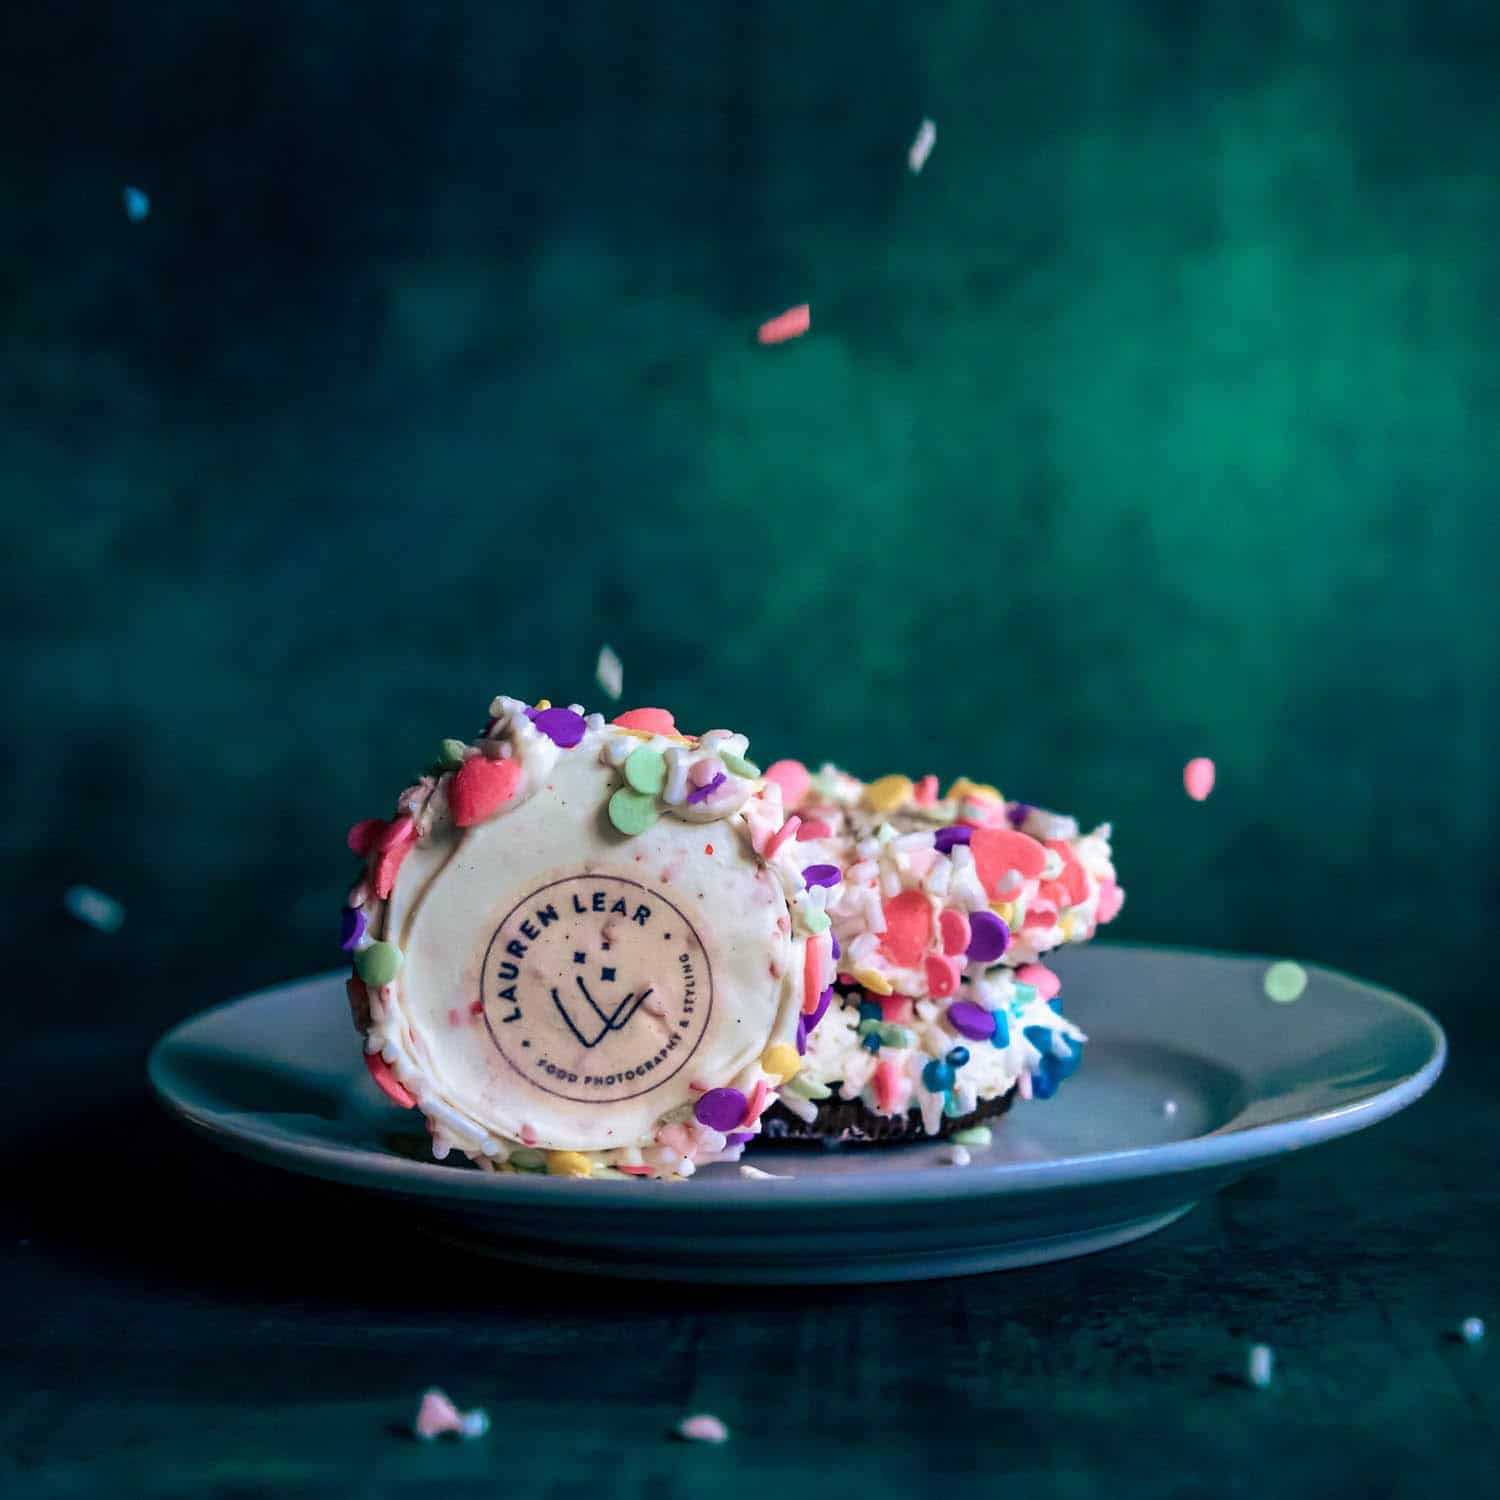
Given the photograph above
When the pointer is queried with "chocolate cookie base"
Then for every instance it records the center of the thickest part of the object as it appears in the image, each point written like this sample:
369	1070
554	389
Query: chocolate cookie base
849	1120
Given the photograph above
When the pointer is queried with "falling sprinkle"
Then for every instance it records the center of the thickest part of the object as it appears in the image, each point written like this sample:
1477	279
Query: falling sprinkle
955	1156
609	673
1169	1107
1285	981
1259	1366
703	1428
1471	1330
94	907
437	1415
760	1176
1198	777
791	324
137	204
921	147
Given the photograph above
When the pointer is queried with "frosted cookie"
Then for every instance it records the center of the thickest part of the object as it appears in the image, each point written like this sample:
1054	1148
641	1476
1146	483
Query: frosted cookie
576	951
941	908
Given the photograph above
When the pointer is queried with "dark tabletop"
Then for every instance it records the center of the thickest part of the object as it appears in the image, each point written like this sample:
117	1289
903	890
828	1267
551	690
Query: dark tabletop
177	1321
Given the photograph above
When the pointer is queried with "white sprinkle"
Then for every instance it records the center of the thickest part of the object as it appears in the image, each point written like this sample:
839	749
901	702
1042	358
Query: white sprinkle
1169	1107
1258	1369
804	1109
137	204
760	1176
610	672
437	1415
921	147
1471	1330
955	1156
94	907
703	1428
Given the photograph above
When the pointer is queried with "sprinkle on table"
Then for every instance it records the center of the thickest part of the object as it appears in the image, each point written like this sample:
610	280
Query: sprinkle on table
1285	982
1198	777
1471	1330
791	324
1258	1367
703	1427
955	1156
137	203
438	1415
609	673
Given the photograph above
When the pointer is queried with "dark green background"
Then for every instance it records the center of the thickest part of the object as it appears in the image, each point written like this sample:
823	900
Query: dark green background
1156	418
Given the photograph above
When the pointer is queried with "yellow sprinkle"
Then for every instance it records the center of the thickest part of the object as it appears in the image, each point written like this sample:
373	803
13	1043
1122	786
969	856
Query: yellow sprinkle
569	1164
651	734
887	794
963	787
781	1061
1005	910
1065	926
873	981
542	703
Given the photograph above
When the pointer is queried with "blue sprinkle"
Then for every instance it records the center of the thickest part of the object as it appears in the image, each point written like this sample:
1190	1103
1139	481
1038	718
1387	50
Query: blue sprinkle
1002	1029
1043	1085
871	1043
937	1077
957	1057
870	1010
137	204
952	1108
1025	993
1040	1037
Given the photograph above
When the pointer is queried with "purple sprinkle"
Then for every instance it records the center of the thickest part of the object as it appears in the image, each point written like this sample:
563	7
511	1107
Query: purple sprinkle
970	1020
989	937
801	1036
703	793
531	714
945	838
1018	812
838	952
822	875
816	1014
561	725
739	1137
721	1109
352	928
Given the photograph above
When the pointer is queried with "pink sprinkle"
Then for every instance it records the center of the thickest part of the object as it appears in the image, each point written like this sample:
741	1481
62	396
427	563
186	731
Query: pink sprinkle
1111	899
953	927
703	1428
1040	978
791	324
924	793
782	834
437	1415
793	779
1198	777
701	772
814	828
635	1171
892	1089
387	1082
756	1103
943	974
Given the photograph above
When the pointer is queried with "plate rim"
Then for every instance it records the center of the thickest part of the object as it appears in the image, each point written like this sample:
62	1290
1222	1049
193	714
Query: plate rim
1222	1149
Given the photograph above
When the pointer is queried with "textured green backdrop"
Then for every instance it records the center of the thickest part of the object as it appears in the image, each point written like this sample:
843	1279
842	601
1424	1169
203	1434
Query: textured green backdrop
1156	418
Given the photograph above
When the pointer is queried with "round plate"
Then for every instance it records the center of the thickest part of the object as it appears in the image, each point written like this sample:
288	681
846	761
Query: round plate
277	1076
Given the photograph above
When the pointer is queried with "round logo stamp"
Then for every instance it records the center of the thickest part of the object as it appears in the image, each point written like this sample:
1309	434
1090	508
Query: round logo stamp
596	988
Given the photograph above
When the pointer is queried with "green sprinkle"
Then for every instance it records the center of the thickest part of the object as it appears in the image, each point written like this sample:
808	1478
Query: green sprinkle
739	765
526	1159
805	1088
379	963
646	770
453	754
1285	981
974	1135
632	812
870	1027
952	1108
1025	994
892	1035
815	920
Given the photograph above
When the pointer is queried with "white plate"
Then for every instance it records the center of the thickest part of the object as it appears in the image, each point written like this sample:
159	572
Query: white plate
277	1076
